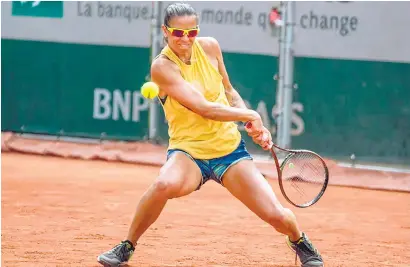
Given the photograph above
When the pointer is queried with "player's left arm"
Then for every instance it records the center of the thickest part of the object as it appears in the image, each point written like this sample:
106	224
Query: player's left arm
234	98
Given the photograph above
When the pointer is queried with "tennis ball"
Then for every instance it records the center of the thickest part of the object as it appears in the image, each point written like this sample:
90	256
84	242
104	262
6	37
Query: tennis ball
149	90
291	165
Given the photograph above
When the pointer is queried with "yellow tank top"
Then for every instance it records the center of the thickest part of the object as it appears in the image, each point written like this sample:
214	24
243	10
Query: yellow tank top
200	137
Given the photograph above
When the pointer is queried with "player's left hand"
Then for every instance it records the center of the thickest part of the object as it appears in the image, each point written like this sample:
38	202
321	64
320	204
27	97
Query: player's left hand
261	137
265	139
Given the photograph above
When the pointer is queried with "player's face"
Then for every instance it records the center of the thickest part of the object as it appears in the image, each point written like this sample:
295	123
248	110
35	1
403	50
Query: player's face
181	33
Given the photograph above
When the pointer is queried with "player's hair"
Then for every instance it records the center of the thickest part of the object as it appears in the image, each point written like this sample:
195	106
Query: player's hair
178	10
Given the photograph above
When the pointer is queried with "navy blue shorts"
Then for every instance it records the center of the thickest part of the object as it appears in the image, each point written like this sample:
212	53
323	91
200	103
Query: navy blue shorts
215	168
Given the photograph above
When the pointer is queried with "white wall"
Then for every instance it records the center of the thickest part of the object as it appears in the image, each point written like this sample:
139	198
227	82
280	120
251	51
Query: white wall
372	30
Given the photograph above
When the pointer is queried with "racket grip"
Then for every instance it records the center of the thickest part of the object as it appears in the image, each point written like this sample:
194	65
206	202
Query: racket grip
248	125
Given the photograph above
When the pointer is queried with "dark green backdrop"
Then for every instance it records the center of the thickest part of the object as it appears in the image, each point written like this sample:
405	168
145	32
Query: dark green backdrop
359	107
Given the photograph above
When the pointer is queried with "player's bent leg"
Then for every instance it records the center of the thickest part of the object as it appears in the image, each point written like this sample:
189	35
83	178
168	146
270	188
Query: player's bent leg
179	176
244	181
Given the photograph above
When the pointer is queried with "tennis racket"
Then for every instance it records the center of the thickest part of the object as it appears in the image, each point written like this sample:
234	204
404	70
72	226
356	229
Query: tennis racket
303	175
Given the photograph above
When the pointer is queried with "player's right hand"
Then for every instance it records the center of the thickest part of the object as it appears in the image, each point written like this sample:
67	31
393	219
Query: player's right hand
254	127
260	135
264	139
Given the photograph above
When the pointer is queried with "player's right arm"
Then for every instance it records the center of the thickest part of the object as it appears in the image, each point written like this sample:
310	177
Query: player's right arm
168	77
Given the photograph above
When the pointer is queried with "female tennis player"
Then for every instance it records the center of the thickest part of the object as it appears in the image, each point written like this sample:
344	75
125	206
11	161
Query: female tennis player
201	108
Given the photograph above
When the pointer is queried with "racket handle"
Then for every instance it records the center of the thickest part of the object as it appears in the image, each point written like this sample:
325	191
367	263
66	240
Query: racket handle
248	125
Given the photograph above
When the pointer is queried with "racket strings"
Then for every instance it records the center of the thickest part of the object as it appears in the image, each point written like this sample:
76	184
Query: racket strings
303	177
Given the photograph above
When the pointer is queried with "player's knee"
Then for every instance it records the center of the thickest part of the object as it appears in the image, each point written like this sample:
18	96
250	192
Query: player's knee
166	187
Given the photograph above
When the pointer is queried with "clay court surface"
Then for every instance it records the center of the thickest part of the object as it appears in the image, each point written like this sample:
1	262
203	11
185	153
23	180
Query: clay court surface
64	212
